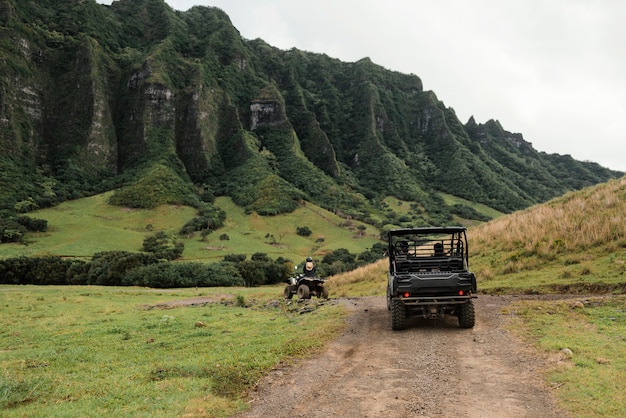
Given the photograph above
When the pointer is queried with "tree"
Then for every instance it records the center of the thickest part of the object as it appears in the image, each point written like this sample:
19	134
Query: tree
163	245
303	231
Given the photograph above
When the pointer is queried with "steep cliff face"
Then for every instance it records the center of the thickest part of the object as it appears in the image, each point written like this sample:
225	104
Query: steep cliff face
134	93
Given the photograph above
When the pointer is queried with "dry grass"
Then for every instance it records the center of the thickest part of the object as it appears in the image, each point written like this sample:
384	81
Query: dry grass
576	240
574	222
370	280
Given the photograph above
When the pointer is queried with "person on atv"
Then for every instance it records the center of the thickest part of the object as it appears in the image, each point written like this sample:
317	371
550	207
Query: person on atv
309	268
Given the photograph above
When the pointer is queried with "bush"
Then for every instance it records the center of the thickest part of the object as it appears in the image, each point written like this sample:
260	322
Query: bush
183	274
11	231
235	258
378	251
303	231
36	270
163	246
110	267
262	270
209	219
33	224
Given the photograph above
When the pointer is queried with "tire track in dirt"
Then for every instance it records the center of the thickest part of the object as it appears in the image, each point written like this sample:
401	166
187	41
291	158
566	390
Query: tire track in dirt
431	369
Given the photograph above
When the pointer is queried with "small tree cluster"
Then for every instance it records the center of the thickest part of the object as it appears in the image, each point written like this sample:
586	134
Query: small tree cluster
260	269
209	218
118	268
303	231
171	275
163	246
13	229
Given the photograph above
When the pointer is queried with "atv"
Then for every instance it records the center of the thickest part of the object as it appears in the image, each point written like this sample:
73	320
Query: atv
429	275
305	287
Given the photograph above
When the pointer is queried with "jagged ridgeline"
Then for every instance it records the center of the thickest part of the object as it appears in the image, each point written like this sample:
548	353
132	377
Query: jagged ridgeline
176	107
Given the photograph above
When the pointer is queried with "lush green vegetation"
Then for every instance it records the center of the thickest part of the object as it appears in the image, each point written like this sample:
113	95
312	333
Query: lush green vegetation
163	116
102	351
83	227
35	380
118	258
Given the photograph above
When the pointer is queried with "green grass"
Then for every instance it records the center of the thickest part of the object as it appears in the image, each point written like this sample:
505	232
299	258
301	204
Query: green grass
79	228
247	234
104	351
82	227
592	272
590	382
451	200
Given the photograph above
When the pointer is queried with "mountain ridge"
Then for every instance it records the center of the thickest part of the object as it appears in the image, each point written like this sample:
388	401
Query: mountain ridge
176	107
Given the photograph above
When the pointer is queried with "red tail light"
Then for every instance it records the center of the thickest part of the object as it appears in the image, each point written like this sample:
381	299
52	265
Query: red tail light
461	293
406	294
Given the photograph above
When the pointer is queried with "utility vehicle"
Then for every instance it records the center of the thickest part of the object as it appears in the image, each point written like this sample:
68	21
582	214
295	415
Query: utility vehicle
429	275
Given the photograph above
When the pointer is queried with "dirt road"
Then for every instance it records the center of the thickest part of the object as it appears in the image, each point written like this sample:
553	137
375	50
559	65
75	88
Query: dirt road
432	369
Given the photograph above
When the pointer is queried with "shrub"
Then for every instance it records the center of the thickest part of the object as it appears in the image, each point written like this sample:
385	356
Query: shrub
110	267
36	270
11	231
163	246
184	274
235	258
261	270
33	224
209	219
303	231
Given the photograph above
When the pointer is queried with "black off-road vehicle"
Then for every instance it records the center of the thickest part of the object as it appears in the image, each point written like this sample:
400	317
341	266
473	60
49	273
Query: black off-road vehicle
429	275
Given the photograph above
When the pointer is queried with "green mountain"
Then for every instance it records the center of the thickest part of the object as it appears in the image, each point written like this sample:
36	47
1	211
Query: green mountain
169	106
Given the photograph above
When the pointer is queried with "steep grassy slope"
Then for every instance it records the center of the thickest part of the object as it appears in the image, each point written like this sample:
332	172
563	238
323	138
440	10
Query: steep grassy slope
575	243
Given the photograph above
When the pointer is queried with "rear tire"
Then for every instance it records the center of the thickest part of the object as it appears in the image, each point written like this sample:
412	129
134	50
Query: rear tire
288	294
304	292
324	291
398	315
467	316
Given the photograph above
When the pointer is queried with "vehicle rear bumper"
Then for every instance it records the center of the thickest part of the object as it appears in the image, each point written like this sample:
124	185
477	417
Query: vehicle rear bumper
435	300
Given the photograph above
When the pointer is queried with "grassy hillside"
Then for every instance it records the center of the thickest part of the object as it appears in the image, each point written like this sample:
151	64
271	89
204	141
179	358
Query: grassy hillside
572	244
81	227
575	243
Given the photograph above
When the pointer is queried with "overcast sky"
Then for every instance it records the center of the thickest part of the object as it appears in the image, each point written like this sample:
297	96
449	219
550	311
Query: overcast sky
552	70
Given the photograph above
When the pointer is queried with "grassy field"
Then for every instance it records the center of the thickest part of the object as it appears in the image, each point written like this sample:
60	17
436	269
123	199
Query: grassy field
248	234
90	351
585	341
104	351
82	227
